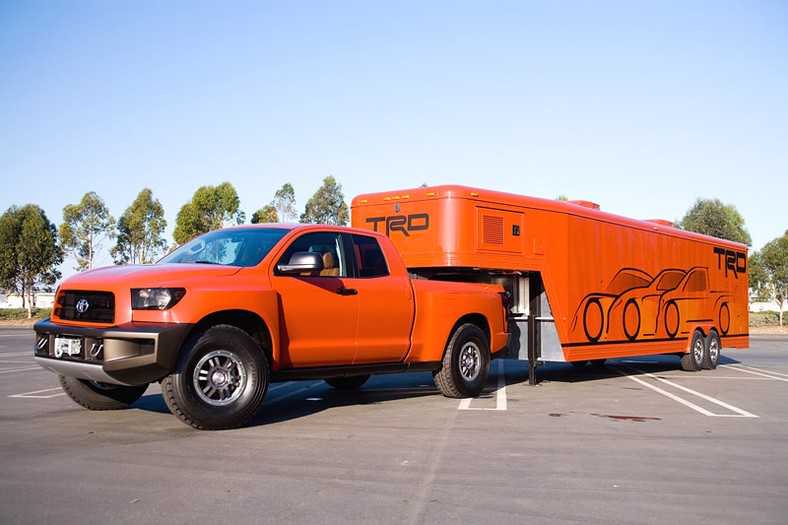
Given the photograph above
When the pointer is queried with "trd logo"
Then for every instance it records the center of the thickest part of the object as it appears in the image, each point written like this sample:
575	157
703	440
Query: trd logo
402	223
733	261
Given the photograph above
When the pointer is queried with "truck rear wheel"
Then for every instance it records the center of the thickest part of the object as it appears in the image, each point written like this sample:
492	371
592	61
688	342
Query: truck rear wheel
220	382
466	363
693	360
94	395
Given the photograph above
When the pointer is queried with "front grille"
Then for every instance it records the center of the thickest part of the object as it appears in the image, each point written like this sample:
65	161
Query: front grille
89	307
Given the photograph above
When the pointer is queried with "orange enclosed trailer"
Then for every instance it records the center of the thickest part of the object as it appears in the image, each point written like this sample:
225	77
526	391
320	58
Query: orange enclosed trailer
585	285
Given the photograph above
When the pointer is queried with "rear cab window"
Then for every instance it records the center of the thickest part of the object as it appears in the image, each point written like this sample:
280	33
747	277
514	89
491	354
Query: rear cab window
369	257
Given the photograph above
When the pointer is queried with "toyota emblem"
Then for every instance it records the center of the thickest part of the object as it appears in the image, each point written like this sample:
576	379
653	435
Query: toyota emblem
82	306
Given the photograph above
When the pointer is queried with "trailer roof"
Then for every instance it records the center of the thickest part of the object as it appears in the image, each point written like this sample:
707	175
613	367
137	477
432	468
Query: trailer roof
579	208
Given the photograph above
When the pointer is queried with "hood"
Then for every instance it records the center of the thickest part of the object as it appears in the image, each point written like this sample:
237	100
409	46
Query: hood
148	276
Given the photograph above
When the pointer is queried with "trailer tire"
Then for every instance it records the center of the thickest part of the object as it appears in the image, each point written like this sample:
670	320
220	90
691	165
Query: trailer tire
347	383
692	361
711	354
466	363
94	395
220	382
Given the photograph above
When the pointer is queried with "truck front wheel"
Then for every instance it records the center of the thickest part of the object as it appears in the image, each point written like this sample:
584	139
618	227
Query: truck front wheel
220	382
466	363
94	395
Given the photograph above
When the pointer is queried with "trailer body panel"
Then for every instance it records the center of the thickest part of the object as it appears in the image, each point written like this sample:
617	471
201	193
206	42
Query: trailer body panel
612	286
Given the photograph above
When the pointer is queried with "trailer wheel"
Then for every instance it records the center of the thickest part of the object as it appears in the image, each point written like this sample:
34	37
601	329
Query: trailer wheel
693	360
94	395
220	382
711	354
466	363
347	383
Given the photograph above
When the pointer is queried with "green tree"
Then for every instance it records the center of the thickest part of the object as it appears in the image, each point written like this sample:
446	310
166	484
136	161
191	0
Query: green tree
140	231
29	253
769	272
712	217
211	208
265	214
284	203
327	205
85	226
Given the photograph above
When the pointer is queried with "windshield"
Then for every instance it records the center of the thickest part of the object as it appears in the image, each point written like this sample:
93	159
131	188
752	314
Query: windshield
232	247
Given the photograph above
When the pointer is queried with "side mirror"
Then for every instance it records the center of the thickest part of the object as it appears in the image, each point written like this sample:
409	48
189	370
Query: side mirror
302	262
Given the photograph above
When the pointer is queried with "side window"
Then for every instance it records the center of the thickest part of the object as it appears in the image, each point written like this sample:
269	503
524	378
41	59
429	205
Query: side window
328	245
369	256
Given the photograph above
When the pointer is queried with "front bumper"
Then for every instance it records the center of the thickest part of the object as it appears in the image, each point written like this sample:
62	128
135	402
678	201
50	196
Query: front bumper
129	354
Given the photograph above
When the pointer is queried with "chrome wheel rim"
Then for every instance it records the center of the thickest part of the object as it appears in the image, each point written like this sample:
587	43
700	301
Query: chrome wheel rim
697	350
219	378
470	362
714	350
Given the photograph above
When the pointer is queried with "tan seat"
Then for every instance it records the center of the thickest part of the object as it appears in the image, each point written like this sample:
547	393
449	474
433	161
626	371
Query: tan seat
329	266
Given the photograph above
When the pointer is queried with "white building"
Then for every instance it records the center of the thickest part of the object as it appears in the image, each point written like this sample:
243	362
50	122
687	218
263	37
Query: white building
14	300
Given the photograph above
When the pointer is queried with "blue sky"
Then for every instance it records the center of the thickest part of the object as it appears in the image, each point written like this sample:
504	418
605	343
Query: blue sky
639	106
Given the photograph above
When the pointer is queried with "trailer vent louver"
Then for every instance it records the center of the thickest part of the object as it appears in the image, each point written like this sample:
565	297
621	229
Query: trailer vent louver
493	230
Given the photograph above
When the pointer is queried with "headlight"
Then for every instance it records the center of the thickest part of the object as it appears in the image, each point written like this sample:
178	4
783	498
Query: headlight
155	298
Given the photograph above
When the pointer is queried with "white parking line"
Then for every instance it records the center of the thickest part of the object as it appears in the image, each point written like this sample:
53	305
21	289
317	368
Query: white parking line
11	370
738	412
16	354
758	372
40	394
500	394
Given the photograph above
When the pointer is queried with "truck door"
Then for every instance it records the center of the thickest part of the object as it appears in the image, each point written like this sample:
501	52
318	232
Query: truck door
318	312
386	305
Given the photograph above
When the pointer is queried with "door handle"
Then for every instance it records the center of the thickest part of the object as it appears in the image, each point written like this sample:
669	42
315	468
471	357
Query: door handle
347	291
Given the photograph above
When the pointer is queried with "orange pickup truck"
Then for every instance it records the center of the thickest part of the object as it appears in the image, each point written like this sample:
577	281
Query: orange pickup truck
222	316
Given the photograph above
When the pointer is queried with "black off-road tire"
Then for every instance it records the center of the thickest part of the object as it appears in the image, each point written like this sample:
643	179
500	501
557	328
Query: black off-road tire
347	383
712	350
220	382
94	395
693	360
466	363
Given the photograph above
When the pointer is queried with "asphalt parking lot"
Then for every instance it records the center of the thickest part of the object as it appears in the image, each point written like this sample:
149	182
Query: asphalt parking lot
638	441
